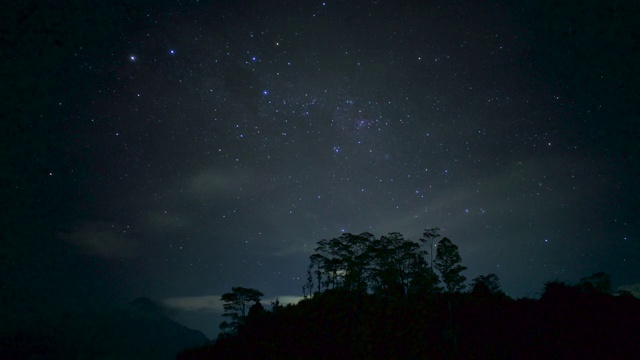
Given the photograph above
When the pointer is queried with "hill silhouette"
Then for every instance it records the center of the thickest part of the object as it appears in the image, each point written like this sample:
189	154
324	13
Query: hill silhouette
380	298
565	323
137	330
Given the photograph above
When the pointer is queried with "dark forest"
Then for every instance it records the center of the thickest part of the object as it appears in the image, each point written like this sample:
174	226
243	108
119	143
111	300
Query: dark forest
368	297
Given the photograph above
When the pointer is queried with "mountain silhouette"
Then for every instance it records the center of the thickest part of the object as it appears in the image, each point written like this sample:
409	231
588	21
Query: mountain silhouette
137	330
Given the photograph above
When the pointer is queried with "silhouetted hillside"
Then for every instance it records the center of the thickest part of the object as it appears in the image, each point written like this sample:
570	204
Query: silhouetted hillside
565	324
378	298
138	330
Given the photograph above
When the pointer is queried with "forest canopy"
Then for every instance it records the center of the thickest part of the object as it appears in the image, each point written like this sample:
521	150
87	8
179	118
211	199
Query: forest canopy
391	297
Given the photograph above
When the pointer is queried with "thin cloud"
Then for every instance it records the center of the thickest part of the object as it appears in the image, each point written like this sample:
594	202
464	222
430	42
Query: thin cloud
215	183
163	220
284	299
632	288
102	239
206	303
213	303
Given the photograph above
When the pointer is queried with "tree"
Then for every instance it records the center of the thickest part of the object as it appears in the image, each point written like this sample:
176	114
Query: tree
428	236
486	285
558	292
395	260
342	262
309	284
256	311
448	264
598	282
355	260
424	281
390	265
236	304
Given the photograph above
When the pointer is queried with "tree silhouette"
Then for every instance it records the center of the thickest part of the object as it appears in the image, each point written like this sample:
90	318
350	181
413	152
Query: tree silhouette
256	311
390	265
597	282
428	236
424	281
342	262
236	305
355	260
448	264
308	286
395	260
368	284
486	285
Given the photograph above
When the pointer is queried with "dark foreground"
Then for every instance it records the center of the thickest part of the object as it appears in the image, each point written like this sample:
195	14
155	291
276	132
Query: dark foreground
564	324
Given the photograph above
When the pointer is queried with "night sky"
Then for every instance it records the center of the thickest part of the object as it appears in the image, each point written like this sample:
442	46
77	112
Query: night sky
174	149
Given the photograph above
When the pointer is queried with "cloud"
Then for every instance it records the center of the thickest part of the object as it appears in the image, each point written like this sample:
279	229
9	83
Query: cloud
293	249
633	288
216	182
284	299
213	304
163	220
102	239
206	303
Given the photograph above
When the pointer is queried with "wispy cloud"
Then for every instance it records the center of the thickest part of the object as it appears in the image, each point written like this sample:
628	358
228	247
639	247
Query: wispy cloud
102	239
212	303
633	288
163	220
294	249
284	299
207	303
216	182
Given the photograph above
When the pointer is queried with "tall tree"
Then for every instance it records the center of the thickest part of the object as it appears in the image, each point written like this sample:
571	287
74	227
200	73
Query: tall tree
426	280
358	263
328	259
395	260
448	262
361	263
343	261
428	236
309	284
236	305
